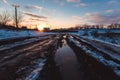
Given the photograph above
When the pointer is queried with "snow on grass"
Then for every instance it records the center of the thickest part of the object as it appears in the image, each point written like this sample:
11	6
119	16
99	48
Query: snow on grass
106	35
110	63
6	34
112	50
37	69
28	41
111	42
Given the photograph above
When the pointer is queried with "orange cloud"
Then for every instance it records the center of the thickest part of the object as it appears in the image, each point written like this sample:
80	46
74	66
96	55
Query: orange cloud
36	19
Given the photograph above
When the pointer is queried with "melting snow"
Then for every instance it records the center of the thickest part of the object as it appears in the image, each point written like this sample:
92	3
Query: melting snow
98	57
6	34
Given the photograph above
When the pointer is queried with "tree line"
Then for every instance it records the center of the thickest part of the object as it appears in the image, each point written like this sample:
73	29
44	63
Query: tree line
99	26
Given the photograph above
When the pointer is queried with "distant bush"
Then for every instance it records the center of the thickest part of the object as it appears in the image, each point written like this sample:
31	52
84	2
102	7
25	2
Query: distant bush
85	33
95	33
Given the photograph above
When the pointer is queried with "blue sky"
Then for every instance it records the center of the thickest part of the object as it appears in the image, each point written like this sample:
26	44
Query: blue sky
65	13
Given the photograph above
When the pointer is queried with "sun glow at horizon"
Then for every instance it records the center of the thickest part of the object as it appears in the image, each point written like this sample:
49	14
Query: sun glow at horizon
42	26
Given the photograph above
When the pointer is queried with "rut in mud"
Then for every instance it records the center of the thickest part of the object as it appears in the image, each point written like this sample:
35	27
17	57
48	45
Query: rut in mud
64	65
53	58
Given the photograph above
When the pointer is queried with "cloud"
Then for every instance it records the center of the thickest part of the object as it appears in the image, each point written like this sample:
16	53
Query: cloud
43	1
94	17
34	7
5	1
36	19
112	2
110	11
34	15
71	1
57	1
60	2
97	18
78	20
77	17
38	8
81	5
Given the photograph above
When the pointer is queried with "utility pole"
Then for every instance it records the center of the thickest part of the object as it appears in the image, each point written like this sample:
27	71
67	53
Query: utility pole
16	16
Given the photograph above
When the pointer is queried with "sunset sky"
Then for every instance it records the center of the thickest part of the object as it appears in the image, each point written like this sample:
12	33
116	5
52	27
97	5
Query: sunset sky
65	13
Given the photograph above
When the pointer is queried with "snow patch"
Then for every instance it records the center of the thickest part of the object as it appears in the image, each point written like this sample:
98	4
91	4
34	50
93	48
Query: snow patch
36	72
98	57
7	34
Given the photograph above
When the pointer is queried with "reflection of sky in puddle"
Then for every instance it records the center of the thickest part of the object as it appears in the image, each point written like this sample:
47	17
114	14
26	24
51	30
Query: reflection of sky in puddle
70	68
67	62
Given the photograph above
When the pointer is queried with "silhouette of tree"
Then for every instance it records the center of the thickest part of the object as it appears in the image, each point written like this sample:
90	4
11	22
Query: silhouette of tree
4	18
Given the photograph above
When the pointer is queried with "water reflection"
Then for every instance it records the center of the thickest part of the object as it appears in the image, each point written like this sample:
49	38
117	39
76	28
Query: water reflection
60	44
66	59
87	72
64	65
51	71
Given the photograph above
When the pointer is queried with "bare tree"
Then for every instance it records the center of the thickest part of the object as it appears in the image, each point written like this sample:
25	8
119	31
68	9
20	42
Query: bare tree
4	18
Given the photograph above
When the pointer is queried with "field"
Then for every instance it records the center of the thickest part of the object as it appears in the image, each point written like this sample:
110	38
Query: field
91	54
